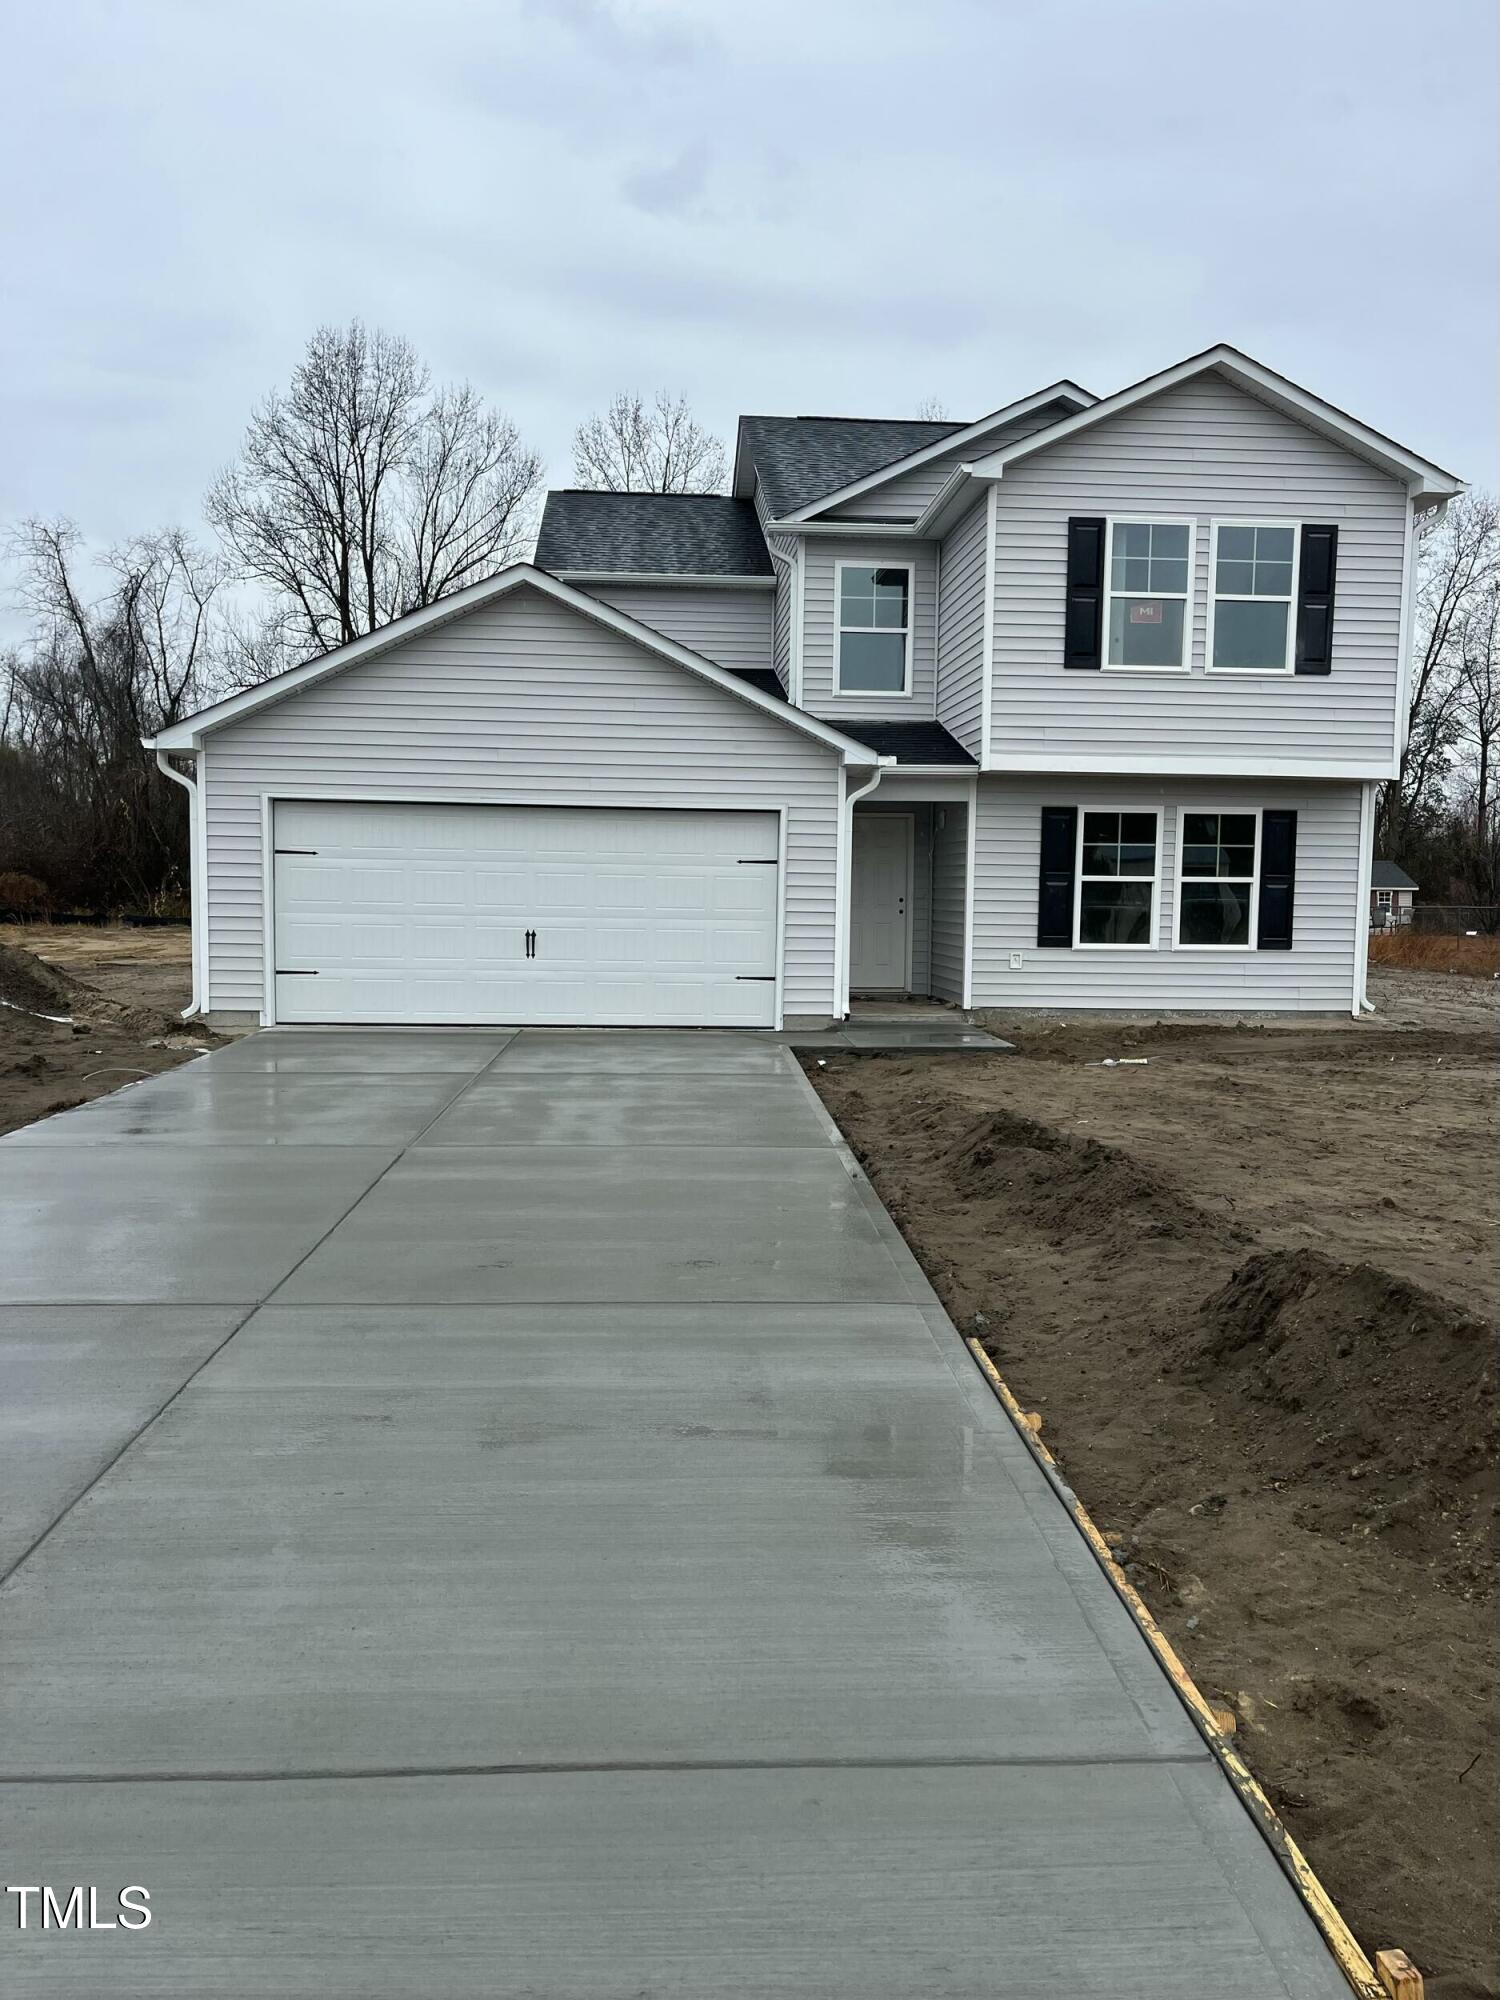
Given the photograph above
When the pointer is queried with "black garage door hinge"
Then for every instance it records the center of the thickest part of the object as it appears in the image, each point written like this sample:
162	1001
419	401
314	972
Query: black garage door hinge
294	850
758	978
294	972
754	861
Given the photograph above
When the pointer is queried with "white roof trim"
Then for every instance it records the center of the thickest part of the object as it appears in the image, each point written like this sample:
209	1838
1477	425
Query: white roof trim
188	734
667	578
1424	476
1058	392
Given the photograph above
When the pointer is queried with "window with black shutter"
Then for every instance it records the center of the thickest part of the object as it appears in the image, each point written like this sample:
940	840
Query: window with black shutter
1057	878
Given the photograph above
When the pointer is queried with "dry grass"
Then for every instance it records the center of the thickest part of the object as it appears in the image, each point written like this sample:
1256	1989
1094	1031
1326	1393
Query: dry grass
1421	951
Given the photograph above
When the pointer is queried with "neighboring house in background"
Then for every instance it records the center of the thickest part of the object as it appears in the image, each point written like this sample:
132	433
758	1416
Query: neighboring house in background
1392	895
1081	705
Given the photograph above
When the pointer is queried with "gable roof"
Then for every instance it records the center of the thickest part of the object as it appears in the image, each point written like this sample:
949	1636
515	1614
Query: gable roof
1426	479
800	459
189	732
650	534
1067	395
1386	875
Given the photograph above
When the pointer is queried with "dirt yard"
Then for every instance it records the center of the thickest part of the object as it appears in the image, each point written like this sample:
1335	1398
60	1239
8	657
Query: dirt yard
119	993
1249	1283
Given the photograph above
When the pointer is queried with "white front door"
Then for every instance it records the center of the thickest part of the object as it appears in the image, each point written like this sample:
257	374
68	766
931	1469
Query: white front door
589	915
879	913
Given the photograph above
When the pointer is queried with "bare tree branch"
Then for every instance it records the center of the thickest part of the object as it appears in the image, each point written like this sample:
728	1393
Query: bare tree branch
641	447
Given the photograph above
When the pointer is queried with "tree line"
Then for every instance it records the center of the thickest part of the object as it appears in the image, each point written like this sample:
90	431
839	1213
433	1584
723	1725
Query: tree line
360	492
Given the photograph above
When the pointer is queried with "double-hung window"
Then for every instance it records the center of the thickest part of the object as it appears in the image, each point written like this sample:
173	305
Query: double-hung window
1252	588
874	637
1148	577
1216	878
1117	874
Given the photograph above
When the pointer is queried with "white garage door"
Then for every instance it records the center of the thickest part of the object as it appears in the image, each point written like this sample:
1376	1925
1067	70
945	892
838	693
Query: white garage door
524	914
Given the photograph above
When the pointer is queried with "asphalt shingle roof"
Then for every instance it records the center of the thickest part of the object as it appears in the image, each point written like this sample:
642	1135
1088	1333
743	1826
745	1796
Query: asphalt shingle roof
651	534
908	742
1386	875
799	459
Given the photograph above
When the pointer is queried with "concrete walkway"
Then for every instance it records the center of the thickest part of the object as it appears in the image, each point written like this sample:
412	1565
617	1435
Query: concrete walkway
505	1515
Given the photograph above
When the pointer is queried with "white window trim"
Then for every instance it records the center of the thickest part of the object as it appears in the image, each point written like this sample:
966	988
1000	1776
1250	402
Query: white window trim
1105	806
903	693
1216	950
1148	519
1383	899
1236	597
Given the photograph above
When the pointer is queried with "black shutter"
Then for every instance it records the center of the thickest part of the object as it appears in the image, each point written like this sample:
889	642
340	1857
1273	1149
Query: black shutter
1055	882
1083	631
1320	559
1278	880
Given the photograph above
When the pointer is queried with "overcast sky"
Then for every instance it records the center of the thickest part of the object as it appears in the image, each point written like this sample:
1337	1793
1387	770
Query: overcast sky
772	205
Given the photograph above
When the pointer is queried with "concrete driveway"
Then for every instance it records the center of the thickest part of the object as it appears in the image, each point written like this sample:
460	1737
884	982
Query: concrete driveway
505	1515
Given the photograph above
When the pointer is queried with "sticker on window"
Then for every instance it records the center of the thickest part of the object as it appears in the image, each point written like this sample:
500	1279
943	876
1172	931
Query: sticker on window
1145	613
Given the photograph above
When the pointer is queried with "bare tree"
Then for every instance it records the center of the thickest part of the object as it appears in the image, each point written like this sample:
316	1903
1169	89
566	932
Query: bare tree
932	410
1459	562
1479	706
641	447
361	493
81	807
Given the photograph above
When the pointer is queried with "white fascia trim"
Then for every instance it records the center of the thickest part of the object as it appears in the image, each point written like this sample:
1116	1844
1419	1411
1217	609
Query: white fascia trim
672	578
1058	392
1162	764
1261	381
865	531
187	735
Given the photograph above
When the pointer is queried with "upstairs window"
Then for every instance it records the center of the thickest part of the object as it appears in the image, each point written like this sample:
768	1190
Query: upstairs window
1147	584
1116	878
1216	887
1251	627
874	641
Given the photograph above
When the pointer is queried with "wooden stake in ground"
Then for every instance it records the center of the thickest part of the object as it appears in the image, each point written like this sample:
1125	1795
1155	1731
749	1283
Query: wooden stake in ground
1398	1975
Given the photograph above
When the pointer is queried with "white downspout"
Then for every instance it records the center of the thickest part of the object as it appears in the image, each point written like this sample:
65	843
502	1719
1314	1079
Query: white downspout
846	879
195	886
1362	1002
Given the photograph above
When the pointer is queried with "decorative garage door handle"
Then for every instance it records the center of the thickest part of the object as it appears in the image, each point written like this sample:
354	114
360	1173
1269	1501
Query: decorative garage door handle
531	944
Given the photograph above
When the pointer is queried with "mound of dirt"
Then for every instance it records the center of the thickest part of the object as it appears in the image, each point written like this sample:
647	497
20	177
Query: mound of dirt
30	986
1074	1188
1383	1393
35	988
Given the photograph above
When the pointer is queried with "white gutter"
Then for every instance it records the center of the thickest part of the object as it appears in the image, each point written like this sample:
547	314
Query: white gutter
195	876
842	925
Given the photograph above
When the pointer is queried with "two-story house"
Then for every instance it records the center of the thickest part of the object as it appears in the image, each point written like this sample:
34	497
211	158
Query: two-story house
1081	705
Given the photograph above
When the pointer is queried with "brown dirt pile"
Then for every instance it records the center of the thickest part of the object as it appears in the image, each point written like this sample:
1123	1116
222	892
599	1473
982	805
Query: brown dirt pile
31	986
1074	1187
1294	1453
63	1041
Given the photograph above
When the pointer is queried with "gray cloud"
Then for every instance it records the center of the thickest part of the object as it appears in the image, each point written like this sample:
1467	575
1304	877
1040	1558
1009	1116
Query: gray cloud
841	206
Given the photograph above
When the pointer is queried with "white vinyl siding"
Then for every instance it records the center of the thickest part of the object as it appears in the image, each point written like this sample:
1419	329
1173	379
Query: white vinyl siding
820	628
519	701
907	496
1204	450
960	676
1316	974
730	627
950	854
